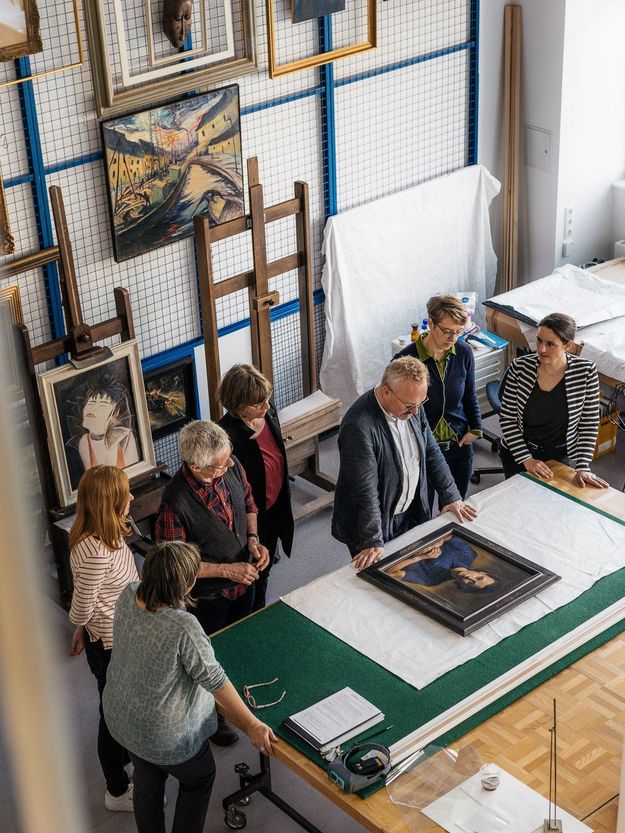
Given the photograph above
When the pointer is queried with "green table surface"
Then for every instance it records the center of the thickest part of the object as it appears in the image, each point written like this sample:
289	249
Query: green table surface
311	663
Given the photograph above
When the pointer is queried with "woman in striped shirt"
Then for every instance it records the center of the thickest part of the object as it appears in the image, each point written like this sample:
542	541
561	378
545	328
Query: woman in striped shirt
550	407
102	566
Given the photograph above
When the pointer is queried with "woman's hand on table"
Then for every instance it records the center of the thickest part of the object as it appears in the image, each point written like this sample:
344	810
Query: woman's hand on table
262	737
538	468
259	553
587	478
463	511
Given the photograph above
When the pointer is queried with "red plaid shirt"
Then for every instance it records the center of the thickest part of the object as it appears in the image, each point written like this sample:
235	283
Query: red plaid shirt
217	499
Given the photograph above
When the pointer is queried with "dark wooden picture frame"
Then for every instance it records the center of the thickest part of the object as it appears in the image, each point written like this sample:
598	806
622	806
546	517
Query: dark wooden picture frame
12	45
440	575
170	393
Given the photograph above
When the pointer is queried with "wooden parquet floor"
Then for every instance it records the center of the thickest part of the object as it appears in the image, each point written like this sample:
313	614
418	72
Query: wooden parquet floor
590	699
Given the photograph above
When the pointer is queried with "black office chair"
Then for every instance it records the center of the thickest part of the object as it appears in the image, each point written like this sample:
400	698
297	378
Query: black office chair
492	394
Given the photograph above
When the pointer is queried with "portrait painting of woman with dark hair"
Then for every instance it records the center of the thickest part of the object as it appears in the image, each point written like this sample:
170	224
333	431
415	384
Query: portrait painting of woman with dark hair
97	416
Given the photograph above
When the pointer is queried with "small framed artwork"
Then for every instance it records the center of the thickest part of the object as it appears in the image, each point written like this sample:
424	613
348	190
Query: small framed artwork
96	415
10	315
458	578
19	29
167	165
170	397
310	9
7	244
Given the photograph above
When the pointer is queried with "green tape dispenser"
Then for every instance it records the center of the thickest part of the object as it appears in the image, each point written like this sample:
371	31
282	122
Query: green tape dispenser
362	765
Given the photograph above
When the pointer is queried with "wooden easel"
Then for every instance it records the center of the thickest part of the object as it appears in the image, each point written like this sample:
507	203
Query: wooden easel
301	435
80	343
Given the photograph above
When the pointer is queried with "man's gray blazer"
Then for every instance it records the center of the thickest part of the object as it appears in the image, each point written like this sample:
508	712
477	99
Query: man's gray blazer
370	476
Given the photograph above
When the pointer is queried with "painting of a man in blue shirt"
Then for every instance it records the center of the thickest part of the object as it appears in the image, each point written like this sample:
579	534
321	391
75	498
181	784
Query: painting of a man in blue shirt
447	559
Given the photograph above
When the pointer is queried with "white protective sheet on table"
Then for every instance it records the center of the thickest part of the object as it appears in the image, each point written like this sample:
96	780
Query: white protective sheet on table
578	544
574	291
385	259
512	808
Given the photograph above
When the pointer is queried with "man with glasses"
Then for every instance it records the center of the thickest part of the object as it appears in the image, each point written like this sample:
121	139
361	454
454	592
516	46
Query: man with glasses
209	502
387	455
452	409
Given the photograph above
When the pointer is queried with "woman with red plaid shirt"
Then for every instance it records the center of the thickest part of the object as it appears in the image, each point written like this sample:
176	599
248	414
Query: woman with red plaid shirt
209	503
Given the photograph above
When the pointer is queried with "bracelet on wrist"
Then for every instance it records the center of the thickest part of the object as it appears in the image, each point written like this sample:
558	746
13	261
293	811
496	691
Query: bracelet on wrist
253	535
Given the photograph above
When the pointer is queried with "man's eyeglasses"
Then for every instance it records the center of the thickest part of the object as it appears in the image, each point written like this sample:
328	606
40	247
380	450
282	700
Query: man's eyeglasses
219	469
249	697
449	333
408	407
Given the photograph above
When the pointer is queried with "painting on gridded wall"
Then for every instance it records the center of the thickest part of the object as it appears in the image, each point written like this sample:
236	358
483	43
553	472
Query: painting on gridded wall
19	29
166	165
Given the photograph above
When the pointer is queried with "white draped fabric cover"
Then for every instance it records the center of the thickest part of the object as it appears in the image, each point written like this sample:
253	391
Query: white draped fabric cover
385	259
578	544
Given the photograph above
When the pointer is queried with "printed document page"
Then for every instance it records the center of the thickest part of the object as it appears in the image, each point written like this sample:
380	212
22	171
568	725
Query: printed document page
335	715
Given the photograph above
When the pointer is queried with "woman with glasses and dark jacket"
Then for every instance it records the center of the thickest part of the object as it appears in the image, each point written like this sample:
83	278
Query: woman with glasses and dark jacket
252	424
451	408
161	688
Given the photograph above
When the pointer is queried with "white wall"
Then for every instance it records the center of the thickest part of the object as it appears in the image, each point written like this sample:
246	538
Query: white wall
573	85
541	83
592	144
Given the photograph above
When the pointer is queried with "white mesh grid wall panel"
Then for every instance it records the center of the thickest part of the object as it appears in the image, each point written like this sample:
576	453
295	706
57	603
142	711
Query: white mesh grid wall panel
398	129
161	283
13	152
406	29
33	303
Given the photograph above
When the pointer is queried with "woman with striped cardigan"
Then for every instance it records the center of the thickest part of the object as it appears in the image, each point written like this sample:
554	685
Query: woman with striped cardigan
550	407
102	566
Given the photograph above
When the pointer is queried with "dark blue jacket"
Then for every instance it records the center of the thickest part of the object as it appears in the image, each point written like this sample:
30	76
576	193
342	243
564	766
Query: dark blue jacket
370	476
456	398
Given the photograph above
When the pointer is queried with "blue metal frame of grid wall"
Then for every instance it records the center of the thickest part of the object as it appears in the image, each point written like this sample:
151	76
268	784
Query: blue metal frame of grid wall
327	85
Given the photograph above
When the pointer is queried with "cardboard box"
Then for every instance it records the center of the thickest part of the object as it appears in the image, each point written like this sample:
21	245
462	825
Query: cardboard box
606	438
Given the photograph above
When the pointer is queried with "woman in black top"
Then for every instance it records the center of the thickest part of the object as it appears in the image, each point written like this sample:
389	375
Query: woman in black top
550	407
254	430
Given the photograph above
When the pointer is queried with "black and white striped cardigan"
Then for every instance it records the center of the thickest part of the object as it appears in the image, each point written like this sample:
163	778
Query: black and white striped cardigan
582	398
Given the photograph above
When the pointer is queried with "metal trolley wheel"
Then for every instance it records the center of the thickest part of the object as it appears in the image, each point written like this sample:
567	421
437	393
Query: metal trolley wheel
235	819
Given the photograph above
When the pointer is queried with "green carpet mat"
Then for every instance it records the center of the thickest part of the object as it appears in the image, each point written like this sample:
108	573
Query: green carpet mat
311	663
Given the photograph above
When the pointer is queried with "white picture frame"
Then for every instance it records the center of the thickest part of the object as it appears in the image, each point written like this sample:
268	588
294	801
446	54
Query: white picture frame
174	64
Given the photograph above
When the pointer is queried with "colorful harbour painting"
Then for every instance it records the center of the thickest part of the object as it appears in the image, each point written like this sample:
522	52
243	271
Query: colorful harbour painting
166	165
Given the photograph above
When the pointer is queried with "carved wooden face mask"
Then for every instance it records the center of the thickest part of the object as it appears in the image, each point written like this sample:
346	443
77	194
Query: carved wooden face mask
177	20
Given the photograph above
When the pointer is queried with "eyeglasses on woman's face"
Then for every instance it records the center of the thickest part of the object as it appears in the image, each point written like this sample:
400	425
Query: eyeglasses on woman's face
449	333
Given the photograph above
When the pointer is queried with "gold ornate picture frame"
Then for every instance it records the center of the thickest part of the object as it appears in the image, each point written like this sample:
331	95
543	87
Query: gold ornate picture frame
19	30
10	314
7	244
112	99
276	69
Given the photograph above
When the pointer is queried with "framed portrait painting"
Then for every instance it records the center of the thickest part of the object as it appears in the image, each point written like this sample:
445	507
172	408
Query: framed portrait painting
167	165
96	415
170	397
458	578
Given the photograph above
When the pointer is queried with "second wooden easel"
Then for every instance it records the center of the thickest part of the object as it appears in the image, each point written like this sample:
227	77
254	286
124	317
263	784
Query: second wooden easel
316	412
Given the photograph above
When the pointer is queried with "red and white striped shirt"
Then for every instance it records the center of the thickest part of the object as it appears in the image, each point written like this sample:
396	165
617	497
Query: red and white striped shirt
99	578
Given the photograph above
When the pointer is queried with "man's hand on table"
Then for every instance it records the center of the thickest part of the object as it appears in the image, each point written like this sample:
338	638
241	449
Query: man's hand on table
587	478
463	511
366	557
259	553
